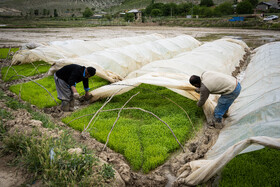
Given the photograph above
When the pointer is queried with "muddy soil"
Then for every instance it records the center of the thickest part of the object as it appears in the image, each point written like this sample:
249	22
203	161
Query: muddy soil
164	175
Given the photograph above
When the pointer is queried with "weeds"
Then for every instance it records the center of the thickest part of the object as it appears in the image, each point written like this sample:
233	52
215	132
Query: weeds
107	171
14	104
48	158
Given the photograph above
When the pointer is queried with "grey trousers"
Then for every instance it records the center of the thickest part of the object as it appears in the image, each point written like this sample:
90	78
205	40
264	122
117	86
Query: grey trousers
64	91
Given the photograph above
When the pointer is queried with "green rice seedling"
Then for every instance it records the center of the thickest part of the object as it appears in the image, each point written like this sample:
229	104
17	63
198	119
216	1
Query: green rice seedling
257	168
35	68
36	95
4	52
145	141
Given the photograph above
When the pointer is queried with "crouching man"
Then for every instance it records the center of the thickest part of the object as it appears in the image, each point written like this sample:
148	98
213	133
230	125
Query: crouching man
65	81
216	83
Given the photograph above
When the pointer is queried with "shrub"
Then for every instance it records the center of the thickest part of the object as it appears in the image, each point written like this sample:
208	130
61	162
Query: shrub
156	13
87	12
206	3
244	7
129	17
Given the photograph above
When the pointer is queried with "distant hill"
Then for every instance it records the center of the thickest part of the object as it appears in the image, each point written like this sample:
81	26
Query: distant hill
76	7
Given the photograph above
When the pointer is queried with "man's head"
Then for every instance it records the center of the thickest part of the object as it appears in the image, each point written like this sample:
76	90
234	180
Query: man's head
90	71
195	81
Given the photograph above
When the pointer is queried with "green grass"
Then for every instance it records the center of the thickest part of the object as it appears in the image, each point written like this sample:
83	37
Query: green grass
36	95
144	141
258	168
4	52
25	70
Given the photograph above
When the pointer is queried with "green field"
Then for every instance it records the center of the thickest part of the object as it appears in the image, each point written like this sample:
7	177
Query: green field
145	141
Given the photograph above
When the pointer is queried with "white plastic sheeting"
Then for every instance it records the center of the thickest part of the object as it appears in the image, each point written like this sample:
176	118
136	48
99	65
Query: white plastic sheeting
117	63
221	55
254	117
52	51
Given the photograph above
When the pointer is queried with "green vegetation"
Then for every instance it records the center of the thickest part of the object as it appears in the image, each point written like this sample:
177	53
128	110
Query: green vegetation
25	70
48	158
4	52
14	104
258	168
140	137
87	13
38	96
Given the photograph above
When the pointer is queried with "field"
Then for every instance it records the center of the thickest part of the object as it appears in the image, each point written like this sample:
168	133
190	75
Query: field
148	144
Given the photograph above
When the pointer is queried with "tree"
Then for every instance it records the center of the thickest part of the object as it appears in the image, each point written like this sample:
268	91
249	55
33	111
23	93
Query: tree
206	3
36	12
87	13
254	2
129	17
156	13
55	14
225	8
184	8
244	7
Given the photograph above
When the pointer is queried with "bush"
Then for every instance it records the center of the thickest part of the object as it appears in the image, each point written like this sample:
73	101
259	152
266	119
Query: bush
244	7
225	8
206	3
87	13
156	13
129	17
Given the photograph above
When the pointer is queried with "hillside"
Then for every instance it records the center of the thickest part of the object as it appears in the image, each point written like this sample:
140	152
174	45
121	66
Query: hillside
76	7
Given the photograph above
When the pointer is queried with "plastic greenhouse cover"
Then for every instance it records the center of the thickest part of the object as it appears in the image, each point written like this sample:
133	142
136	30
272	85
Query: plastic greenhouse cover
254	117
52	51
221	55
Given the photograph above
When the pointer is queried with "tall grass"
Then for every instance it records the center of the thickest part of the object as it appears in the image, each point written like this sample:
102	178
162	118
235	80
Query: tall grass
140	137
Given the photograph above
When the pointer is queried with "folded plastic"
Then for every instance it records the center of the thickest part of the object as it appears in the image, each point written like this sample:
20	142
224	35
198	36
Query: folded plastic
254	117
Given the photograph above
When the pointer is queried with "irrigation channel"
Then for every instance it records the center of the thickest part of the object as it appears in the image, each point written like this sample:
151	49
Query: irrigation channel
253	38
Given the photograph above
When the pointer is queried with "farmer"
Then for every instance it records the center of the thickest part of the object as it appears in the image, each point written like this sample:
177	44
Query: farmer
65	81
216	83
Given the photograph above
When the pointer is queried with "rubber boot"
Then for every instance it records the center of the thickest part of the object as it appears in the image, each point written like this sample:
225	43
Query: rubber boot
65	106
71	106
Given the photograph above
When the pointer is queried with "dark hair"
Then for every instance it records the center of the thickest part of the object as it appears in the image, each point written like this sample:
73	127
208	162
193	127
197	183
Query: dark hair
91	71
194	79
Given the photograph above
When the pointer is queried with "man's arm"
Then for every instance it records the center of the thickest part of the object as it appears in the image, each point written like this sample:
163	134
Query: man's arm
204	94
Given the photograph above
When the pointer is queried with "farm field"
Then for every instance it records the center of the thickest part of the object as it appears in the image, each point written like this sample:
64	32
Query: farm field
138	159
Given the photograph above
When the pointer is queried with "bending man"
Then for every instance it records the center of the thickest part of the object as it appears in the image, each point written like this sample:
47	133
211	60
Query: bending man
65	81
216	83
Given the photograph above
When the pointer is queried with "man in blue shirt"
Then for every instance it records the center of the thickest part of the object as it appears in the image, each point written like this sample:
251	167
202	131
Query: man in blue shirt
66	79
